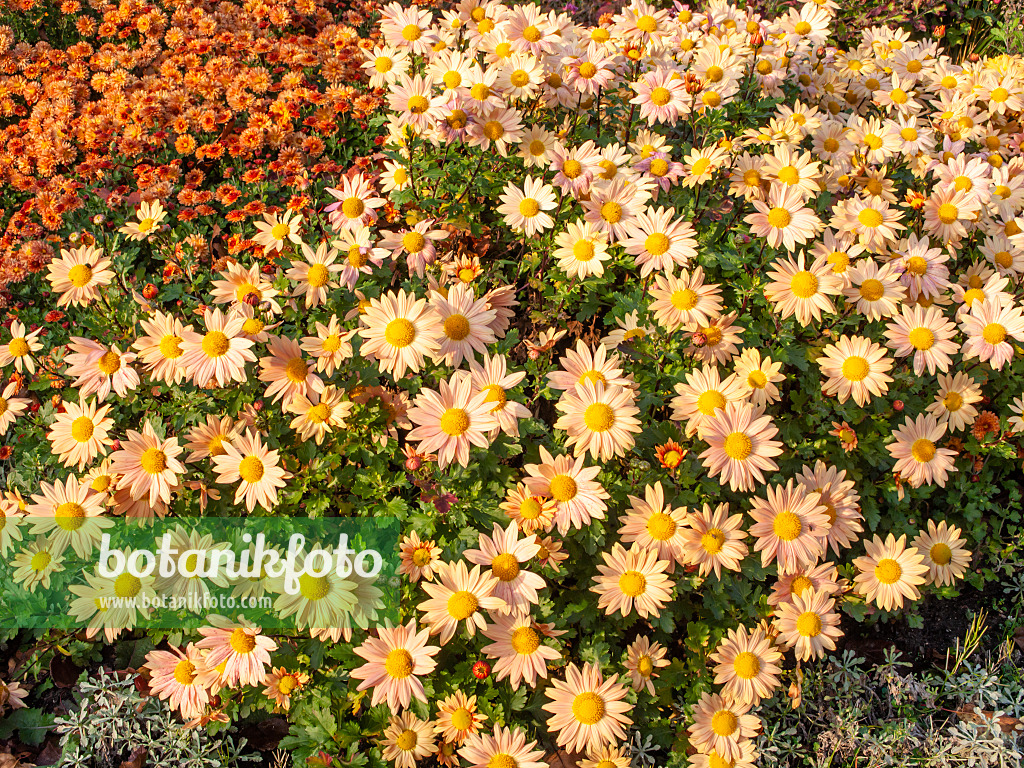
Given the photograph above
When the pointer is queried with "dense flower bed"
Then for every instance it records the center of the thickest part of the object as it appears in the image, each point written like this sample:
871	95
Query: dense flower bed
680	344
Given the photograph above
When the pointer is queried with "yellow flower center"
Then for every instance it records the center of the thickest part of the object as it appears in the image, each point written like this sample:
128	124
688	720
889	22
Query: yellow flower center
531	34
789	175
656	244
252	326
319	413
660	96
1003	259
216	446
454	422
948	213
153	461
296	370
953	401
456	327
1003	191
421	557
314	588
714	73
101	483
462	605
709	401
18	347
241	641
495	394
802	28
659	167
493	130
563	488
287	684
505	566
888	571
921	338
872	289
407	740
713	541
588	708
803	284
746	665
752	177
724	723
583	250
923	450
80	275
531	508
587	70
684	299
170	347
453	79
611	212
383	64
146	224
127	585
599	417
529	207
645	666
400	332
808	624
830	144
940	553
82	428
215	344
715	760
40	561
184	672
999	95
994	333
963	184
632	583
411	32
466	274
898	96
855	368
737	446
787	526
646	23
779	218
251	469
525	641
398	663
871	140
756	379
110	363
413	242
317	276
480	91
462	719
70	516
661	527
870	218
502	760
280	231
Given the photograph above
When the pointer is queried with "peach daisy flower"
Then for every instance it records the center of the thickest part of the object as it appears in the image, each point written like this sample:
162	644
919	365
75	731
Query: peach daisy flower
493	378
875	224
148	466
632	579
524	209
399	331
702	395
747	758
318	415
783	219
613	206
598	419
244	652
659	240
954	402
20	348
789	527
821	578
330	347
653	525
503	748
757	377
642	658
70	513
530	512
924	271
504	552
497	126
855	366
521	656
218	356
149	214
578	498
606	756
356	204
314	275
465	324
450	420
713	540
944	553
408	739
395	661
747	666
274	230
174	678
722	725
457	718
361	256
79	434
685	301
583	364
740	446
100	369
581	250
809	624
876	290
79	274
281	686
945	212
160	348
459	595
927	334
286	372
245	458
918	458
890	572
988	326
802	291
11	407
419	558
587	711
239	284
208	440
36	563
839	500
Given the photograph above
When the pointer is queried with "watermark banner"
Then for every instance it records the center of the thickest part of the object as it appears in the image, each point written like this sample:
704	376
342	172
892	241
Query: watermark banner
100	573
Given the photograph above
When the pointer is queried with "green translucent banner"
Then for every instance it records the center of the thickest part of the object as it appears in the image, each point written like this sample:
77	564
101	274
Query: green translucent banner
102	573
